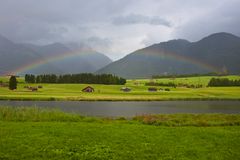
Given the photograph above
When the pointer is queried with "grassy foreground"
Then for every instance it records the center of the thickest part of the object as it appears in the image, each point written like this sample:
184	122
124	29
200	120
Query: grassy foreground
31	133
113	93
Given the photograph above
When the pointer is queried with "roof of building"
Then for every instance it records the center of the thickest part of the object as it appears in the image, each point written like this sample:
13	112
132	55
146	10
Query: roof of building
88	87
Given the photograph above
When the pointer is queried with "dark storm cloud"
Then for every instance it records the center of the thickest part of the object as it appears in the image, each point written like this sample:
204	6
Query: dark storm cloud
222	18
140	19
116	27
30	20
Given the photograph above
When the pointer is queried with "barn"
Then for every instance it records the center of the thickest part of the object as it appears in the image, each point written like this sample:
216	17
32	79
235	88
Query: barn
88	89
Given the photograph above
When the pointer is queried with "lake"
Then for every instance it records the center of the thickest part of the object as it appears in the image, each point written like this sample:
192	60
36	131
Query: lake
128	109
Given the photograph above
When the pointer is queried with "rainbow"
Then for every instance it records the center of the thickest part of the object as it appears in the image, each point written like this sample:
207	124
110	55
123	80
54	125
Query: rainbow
61	57
43	61
182	58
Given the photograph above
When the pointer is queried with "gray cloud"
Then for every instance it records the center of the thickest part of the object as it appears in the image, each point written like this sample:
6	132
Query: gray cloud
101	41
140	19
222	18
116	27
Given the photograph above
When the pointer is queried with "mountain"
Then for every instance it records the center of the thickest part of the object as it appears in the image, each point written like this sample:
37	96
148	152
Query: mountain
219	52
14	56
89	55
53	58
71	60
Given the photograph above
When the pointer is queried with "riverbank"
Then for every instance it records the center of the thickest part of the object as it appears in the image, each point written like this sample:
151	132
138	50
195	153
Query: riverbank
32	133
116	99
73	92
35	114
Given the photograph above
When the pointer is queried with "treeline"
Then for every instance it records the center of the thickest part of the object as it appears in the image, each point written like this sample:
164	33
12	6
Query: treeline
186	75
86	78
220	82
171	84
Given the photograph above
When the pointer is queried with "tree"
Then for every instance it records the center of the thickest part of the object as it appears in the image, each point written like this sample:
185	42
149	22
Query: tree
218	82
29	78
12	83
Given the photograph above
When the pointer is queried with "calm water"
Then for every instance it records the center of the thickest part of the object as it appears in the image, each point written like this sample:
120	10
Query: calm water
127	109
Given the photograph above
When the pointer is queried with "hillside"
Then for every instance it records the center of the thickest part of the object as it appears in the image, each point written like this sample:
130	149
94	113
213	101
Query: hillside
53	58
71	60
14	56
218	52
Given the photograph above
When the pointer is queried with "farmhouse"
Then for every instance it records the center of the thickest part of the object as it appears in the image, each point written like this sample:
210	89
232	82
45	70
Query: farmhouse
125	89
152	89
88	89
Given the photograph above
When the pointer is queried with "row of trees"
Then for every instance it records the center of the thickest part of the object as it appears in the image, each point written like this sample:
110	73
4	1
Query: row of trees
171	84
218	82
30	78
86	78
187	75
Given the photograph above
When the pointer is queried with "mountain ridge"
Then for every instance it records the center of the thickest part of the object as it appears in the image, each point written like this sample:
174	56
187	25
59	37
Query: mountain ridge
210	54
54	58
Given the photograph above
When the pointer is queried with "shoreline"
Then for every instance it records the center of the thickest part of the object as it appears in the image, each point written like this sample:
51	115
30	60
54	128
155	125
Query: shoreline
36	114
118	99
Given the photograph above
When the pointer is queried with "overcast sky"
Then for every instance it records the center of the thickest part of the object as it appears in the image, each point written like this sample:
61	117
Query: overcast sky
116	27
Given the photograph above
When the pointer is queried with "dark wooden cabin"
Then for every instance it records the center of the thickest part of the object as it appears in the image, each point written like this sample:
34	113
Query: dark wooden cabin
152	89
88	89
125	89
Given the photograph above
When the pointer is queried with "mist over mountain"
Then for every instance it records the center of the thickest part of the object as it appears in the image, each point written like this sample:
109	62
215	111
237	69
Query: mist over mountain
53	58
219	52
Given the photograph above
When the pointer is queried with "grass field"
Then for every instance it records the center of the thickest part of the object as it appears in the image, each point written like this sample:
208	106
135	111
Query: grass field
30	133
202	80
112	92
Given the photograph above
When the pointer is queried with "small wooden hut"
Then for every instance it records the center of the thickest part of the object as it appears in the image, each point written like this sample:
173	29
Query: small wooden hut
88	89
125	89
152	89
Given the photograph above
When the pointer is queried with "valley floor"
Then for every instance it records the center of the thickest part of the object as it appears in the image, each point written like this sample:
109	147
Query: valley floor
113	93
139	91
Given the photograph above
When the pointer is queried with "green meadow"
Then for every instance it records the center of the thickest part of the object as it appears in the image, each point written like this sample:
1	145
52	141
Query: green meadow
201	80
112	92
32	133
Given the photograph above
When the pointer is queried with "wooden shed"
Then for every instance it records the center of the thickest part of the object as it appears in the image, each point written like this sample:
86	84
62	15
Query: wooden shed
152	89
125	89
88	89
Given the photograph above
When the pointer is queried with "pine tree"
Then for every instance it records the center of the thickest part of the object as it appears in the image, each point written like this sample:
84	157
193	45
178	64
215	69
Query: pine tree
13	83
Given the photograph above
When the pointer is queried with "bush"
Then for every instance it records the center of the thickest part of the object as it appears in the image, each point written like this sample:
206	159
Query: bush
199	120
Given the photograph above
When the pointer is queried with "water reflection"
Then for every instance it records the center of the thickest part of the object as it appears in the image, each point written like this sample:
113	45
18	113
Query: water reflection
129	109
